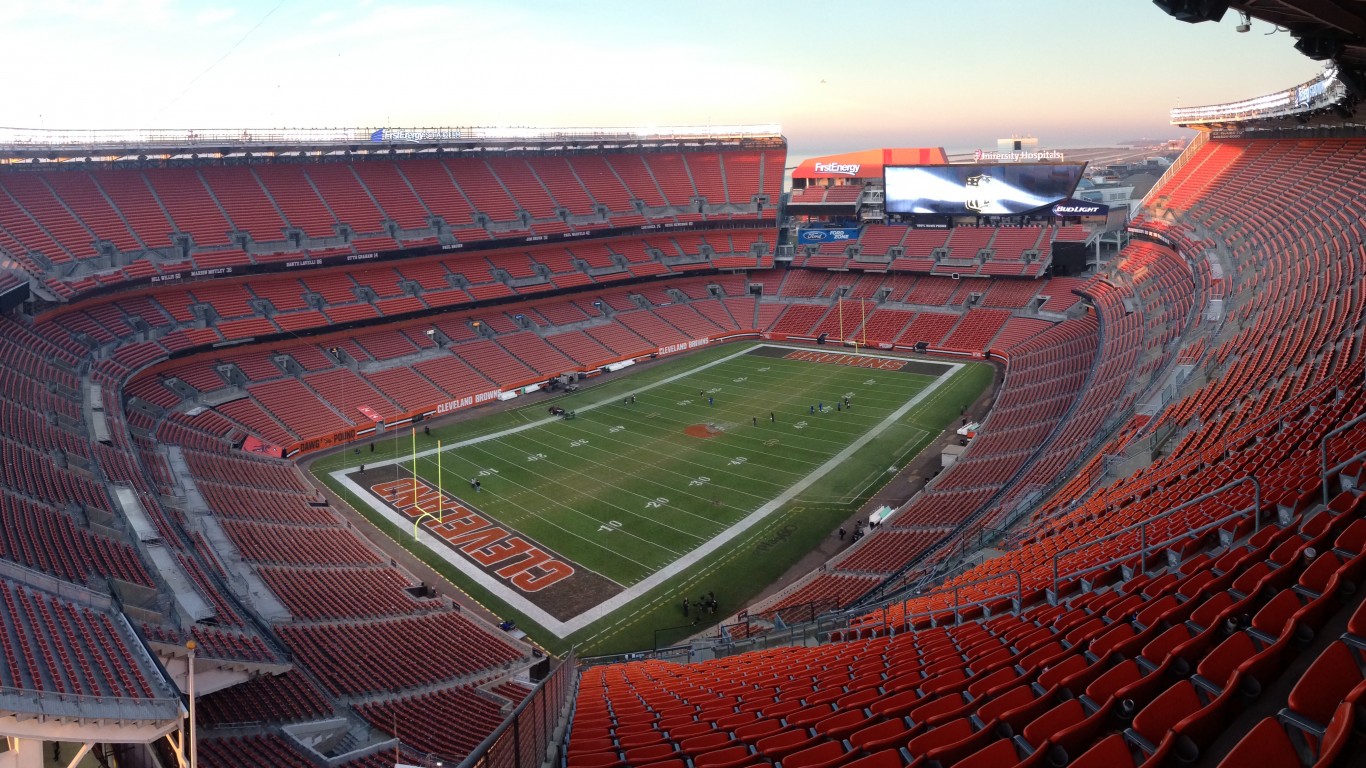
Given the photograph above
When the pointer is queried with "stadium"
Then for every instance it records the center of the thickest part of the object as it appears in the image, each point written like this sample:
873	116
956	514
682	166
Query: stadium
652	446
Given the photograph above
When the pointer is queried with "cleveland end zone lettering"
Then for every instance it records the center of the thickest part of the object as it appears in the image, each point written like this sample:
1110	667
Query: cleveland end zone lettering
528	567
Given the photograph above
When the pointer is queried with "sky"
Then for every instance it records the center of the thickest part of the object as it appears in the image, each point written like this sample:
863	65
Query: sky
835	76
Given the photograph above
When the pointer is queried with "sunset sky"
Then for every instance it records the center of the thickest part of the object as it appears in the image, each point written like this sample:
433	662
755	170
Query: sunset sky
836	76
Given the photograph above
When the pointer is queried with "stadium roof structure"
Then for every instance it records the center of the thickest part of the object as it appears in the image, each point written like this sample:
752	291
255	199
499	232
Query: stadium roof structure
66	145
868	163
1339	26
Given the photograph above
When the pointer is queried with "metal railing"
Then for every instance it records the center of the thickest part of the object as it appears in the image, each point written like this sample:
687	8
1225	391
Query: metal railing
52	704
958	605
1142	528
1323	454
521	741
1200	140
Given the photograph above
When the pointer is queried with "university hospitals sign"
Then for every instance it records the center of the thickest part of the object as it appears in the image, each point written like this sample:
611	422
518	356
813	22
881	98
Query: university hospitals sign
994	156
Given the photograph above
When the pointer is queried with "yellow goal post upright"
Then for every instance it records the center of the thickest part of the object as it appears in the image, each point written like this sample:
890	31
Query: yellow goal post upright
839	309
863	323
440	515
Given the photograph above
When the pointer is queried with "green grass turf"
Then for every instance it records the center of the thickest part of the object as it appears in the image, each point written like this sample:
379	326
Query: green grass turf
595	491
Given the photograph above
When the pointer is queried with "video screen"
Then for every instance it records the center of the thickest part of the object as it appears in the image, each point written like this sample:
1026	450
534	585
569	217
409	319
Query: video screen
978	190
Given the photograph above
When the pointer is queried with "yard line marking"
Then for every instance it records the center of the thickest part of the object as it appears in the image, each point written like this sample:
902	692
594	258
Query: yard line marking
613	399
570	470
654	470
565	628
572	509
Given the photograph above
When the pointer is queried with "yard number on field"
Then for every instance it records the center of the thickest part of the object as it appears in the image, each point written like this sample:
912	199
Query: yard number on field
535	456
579	443
616	429
699	480
656	503
609	526
738	460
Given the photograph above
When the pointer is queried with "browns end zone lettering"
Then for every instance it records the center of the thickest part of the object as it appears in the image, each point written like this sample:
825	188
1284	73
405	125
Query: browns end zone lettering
683	346
524	565
468	400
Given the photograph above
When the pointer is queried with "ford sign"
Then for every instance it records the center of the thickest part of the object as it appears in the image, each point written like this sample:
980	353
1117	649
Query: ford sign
827	235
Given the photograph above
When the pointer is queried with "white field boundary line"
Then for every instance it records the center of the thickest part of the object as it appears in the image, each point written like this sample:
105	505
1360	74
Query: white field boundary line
562	629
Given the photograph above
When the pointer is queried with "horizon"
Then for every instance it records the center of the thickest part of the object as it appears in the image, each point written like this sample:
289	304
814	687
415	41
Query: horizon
881	75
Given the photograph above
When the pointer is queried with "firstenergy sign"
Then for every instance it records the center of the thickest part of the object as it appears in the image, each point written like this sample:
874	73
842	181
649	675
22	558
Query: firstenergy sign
838	169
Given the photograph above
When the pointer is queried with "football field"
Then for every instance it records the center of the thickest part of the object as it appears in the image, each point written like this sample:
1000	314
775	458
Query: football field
568	518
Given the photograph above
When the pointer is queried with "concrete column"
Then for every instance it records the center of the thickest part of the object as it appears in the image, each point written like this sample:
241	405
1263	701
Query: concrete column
23	753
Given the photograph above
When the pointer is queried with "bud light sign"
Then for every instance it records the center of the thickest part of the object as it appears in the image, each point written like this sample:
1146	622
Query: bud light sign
1074	207
818	236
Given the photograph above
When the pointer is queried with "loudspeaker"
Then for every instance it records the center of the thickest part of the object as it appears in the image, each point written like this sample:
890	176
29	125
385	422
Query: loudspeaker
821	338
1319	48
1352	81
1194	11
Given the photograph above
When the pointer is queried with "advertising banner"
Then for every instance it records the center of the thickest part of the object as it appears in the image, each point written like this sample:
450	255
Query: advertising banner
819	236
256	445
1074	207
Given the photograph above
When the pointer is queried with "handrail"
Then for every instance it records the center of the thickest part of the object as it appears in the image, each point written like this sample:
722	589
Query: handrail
557	679
957	606
1323	453
1142	553
1142	527
1187	154
1019	588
